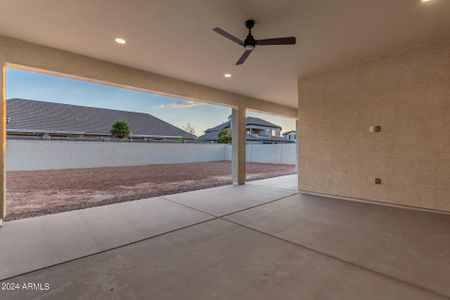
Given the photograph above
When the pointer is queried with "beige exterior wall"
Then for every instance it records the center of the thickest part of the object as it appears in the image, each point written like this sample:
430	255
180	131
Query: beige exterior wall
407	93
39	58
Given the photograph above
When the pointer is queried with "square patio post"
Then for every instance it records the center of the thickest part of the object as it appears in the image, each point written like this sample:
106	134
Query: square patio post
239	135
297	146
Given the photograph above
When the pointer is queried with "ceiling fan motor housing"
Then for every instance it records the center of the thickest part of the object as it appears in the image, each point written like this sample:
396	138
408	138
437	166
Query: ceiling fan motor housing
249	43
250	24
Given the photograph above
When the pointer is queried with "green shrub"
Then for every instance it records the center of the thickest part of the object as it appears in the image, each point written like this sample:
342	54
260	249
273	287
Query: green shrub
225	136
120	130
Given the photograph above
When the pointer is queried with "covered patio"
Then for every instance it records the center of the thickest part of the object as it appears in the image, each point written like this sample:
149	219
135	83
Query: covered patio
219	242
367	216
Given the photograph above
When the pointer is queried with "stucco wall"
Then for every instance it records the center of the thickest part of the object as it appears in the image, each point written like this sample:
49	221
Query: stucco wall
272	154
24	155
47	155
407	93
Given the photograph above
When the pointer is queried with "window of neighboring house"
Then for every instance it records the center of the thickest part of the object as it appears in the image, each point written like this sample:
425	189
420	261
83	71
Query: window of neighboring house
273	132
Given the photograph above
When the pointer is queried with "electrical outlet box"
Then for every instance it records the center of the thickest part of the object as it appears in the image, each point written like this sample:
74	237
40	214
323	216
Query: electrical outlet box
377	180
375	128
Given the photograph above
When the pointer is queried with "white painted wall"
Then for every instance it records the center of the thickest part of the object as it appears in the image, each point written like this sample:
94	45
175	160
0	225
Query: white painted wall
24	155
269	153
47	155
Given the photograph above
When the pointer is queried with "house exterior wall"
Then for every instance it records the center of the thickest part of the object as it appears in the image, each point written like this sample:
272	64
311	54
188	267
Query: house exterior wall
291	136
263	131
407	93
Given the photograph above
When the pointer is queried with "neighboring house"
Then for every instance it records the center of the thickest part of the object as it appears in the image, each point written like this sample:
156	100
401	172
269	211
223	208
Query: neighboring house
258	131
290	135
31	118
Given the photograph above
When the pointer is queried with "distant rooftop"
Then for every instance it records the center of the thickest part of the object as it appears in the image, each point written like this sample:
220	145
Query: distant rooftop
288	132
249	121
38	116
211	134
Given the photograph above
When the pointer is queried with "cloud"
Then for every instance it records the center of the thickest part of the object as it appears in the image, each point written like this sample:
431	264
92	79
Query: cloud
180	104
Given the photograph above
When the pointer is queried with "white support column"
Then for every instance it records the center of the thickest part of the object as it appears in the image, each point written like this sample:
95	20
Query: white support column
239	135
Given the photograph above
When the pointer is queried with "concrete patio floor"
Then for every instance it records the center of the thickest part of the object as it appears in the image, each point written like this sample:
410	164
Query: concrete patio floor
259	241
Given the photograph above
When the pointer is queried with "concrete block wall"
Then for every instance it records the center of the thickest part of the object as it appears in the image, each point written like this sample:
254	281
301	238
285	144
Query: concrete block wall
273	154
26	155
48	155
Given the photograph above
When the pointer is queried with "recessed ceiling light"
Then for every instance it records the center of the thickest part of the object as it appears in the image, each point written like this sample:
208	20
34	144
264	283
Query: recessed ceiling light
120	41
424	1
227	75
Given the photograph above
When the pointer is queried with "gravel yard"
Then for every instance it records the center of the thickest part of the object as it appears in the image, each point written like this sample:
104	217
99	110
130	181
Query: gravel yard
33	193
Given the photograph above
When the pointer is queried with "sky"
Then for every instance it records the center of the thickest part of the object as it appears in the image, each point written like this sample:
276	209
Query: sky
179	112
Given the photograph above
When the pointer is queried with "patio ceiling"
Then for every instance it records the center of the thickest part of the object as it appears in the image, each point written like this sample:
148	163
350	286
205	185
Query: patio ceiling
175	38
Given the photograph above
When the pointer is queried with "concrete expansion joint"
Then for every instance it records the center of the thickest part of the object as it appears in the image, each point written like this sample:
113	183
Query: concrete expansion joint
229	214
342	260
223	218
213	218
107	250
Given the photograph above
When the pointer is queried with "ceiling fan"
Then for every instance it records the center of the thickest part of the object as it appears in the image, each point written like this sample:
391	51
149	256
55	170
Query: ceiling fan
250	43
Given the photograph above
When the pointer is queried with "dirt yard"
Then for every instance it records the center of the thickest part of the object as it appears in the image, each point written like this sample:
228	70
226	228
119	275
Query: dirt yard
33	193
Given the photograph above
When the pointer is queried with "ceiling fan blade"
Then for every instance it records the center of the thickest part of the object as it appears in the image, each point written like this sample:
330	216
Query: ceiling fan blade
228	35
277	41
243	58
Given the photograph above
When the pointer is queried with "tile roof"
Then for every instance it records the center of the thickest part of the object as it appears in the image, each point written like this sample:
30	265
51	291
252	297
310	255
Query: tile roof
29	115
261	122
249	121
212	134
290	131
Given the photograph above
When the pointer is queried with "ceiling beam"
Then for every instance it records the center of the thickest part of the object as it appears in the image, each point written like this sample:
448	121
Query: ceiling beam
38	58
